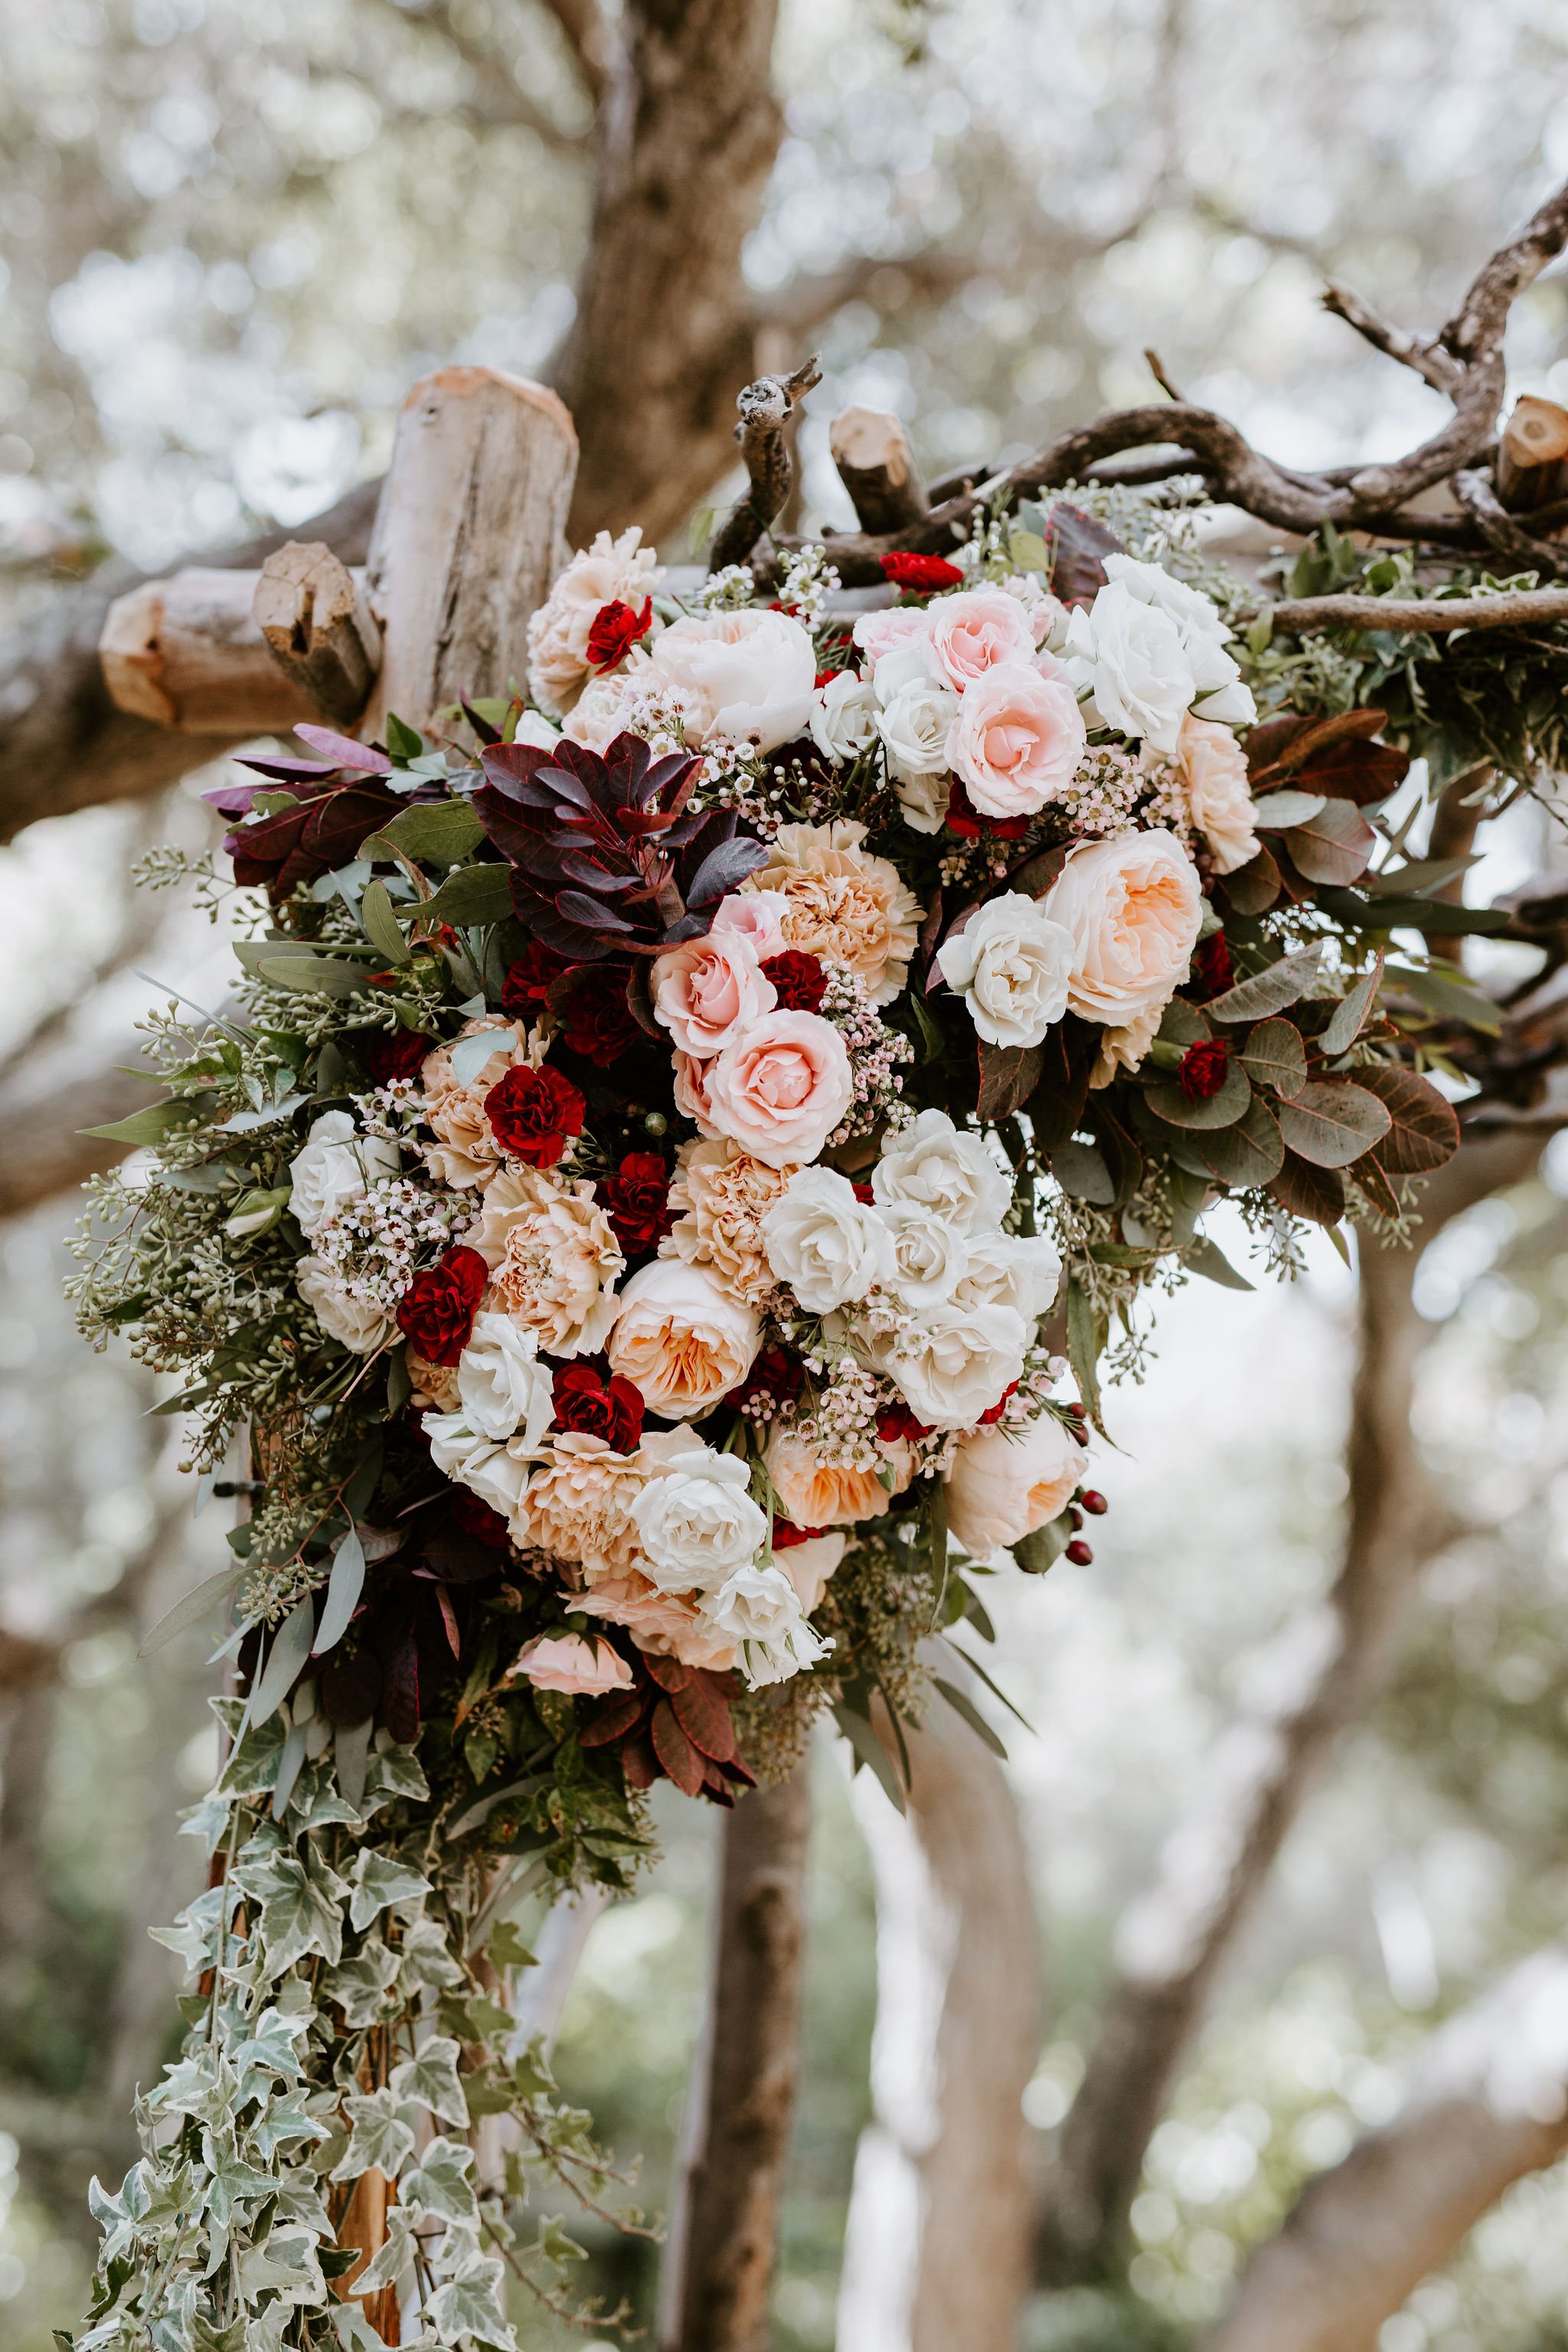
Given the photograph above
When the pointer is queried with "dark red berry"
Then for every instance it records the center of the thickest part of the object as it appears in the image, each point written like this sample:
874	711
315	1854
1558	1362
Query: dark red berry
1079	1553
1074	1518
1075	1429
1093	1502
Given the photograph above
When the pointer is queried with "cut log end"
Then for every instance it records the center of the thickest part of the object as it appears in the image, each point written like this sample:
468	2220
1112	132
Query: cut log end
877	467
1533	455
318	629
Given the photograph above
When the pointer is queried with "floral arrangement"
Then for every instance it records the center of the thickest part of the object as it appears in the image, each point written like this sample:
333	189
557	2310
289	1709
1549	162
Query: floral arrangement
686	1145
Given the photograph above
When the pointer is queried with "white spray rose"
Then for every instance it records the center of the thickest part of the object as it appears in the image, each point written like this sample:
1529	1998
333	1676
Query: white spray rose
336	1165
1126	655
956	1362
1203	633
844	717
916	727
506	1391
924	801
758	1609
930	1257
697	1522
1011	964
824	1243
930	1165
355	1322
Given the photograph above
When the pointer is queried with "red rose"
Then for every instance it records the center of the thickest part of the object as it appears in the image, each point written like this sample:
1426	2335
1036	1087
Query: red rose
595	1407
616	630
786	1534
533	1113
400	1055
1211	968
798	979
896	1421
599	1022
438	1310
1203	1069
994	1414
476	1518
920	574
637	1202
528	982
964	819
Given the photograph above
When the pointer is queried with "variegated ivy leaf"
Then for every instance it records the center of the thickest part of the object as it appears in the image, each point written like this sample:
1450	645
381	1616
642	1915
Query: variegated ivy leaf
269	2050
392	1773
285	2260
281	2121
360	1986
392	2258
430	2079
231	2181
380	2140
252	1768
316	1804
301	1911
439	2183
469	2305
195	1934
427	1957
353	2331
380	1884
299	2199
119	2217
206	2336
208	1821
202	2086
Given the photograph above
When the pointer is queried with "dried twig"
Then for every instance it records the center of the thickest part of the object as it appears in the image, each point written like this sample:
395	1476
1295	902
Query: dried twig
765	409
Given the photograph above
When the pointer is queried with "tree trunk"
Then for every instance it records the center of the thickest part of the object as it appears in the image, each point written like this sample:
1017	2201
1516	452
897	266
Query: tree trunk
936	2250
664	336
1173	1942
1489	2105
719	2262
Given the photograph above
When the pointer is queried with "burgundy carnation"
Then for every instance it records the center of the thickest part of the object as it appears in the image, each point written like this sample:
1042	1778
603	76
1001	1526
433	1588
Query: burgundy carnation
475	1517
921	574
969	823
777	1374
637	1202
599	1022
896	1421
798	981
398	1055
533	1113
1203	1069
1213	972
438	1310
528	981
616	629
595	1407
786	1534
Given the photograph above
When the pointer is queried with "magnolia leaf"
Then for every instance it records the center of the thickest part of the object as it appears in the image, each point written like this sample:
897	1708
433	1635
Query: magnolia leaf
1346	1025
1274	1055
344	1587
430	2079
1221	1108
380	924
1205	1258
1332	1122
470	895
1043	1547
1276	811
379	1883
1332	846
291	1648
1270	990
380	2141
440	2182
1424	1129
403	743
1086	1337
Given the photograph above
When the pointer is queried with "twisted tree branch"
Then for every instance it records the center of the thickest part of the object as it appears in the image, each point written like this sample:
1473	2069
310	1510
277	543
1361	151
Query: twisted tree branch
765	409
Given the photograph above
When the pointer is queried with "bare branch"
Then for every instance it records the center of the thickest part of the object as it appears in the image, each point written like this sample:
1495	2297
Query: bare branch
1491	2104
1158	370
1427	356
1513	609
1474	490
765	409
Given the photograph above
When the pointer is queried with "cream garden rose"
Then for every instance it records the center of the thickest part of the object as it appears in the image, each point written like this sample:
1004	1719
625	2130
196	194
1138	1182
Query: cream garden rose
356	1323
613	570
681	1341
1134	909
842	903
697	1520
1213	767
758	1609
1011	964
565	1662
781	1087
954	1362
824	1243
553	1259
1006	1482
930	1256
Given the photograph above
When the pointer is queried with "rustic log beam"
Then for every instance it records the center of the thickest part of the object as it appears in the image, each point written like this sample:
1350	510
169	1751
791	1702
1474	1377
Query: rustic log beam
313	617
724	2228
186	652
877	467
467	537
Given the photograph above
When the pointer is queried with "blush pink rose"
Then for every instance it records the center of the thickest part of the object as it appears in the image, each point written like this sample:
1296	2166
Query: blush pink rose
565	1662
692	1075
783	1086
706	990
977	631
891	630
1017	739
1134	909
757	916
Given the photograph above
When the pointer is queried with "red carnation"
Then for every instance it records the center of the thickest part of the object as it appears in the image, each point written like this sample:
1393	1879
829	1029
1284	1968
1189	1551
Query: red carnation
616	630
611	1409
599	1022
1203	1069
786	1534
476	1518
921	574
964	819
637	1202
777	1374
896	1421
533	1113
397	1055
994	1414
1211	968
436	1312
798	979
528	982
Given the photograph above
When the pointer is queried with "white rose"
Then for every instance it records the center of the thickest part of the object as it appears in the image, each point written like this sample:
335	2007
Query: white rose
956	1362
827	1245
1017	1271
915	728
358	1325
697	1520
924	801
909	664
758	1609
1006	1482
929	1258
1134	909
506	1391
930	1165
743	676
844	717
335	1166
1128	656
1203	633
1011	964
495	1473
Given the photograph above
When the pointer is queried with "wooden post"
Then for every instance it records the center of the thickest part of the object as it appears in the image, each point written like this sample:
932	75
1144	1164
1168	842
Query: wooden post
467	538
312	615
723	2231
877	467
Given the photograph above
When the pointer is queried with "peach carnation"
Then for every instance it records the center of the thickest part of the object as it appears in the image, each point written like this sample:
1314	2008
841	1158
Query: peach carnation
613	570
723	1194
577	1506
553	1260
565	1662
667	1624
842	903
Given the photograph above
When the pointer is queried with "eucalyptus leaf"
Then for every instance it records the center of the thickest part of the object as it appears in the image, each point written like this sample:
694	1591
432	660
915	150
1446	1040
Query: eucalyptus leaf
1221	1108
1271	990
343	1588
194	1609
1332	1123
380	924
1206	1257
291	1648
1276	811
1274	1055
1350	1016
